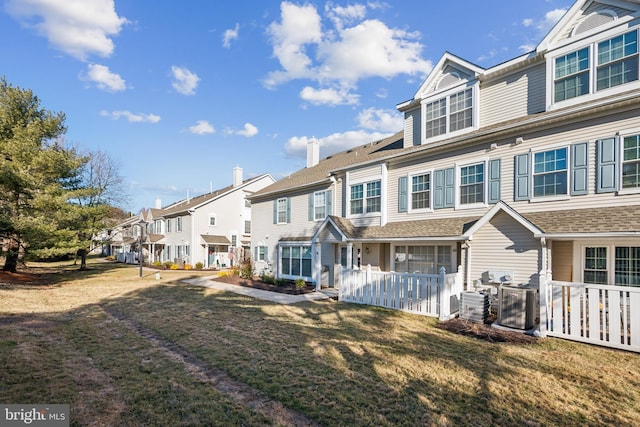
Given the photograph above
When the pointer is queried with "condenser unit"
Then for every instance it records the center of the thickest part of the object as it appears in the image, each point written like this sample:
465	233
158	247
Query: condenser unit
517	306
474	306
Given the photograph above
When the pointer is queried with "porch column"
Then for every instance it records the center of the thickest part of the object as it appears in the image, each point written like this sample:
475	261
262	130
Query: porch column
349	256
206	255
317	264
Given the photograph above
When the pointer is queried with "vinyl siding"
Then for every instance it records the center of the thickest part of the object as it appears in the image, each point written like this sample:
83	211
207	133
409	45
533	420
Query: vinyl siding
412	127
505	245
586	131
523	92
562	261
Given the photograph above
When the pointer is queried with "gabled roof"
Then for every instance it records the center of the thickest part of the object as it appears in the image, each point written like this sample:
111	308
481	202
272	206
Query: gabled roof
191	203
585	15
449	71
609	221
321	173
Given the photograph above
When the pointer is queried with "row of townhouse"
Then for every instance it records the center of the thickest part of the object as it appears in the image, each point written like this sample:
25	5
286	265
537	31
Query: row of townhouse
531	166
213	229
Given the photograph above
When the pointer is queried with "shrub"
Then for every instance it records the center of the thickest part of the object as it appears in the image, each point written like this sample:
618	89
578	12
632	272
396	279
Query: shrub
300	283
199	265
234	271
268	278
223	273
188	267
173	266
246	269
157	264
168	264
281	282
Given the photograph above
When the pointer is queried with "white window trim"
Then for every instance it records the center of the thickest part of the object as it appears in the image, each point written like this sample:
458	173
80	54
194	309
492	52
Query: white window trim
458	175
410	192
364	181
555	197
611	262
215	220
590	42
315	218
278	210
474	86
292	245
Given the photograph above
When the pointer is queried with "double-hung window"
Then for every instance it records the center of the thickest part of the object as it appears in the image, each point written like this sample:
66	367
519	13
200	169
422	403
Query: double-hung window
550	173
282	211
366	198
599	66
572	75
296	261
617	61
449	114
631	162
179	224
168	225
319	205
421	191
472	184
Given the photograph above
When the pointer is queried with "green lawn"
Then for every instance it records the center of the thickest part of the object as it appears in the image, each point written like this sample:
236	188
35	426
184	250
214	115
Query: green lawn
128	351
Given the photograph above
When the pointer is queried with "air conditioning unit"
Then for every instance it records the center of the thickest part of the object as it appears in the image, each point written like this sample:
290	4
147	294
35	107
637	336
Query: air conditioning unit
497	277
517	306
474	306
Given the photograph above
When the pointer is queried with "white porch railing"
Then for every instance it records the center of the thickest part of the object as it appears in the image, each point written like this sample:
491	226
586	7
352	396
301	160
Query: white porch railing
436	295
596	314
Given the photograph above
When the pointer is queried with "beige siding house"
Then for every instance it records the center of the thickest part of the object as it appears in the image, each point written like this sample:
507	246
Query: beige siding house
520	174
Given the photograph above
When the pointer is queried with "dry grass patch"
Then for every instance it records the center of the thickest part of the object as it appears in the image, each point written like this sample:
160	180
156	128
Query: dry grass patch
336	363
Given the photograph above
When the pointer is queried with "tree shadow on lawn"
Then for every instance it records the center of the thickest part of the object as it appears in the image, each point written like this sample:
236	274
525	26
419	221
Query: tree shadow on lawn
351	364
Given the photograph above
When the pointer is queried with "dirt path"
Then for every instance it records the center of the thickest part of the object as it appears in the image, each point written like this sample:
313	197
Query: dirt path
235	390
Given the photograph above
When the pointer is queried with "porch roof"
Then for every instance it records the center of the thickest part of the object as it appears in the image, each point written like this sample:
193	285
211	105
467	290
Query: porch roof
215	240
607	220
452	228
154	238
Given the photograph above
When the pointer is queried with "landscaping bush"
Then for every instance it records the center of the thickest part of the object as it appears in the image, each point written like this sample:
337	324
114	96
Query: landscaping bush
168	264
157	264
268	278
173	266
199	265
188	267
246	269
300	283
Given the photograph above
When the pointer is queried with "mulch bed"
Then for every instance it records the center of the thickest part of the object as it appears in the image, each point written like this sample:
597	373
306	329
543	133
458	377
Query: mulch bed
288	288
485	332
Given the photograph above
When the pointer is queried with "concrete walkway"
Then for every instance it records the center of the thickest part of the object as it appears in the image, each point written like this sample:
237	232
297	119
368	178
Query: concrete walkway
278	297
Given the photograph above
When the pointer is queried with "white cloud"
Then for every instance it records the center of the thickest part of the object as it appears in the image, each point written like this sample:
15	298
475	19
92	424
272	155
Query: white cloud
202	127
184	82
79	28
545	24
339	57
105	79
381	120
248	130
230	35
328	96
297	146
131	117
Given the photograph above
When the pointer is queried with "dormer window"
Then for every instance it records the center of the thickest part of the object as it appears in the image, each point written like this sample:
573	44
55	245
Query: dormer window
602	65
452	113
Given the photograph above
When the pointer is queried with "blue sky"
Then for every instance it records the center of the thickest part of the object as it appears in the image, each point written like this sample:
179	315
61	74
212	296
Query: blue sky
179	93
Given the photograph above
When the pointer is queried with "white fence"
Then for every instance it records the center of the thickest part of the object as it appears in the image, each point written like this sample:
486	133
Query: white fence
597	314
436	295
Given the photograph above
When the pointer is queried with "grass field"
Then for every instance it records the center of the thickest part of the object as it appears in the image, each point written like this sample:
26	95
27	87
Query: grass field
128	351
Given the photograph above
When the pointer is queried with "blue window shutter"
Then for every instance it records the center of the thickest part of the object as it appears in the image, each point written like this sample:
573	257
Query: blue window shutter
449	188
288	210
438	189
328	200
275	211
579	169
311	215
402	194
607	165
522	177
494	181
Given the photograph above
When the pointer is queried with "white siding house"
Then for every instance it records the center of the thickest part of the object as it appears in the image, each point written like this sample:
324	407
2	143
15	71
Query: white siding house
528	171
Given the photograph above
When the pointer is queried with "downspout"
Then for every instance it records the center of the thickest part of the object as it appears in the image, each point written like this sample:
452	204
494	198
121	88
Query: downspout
466	245
192	244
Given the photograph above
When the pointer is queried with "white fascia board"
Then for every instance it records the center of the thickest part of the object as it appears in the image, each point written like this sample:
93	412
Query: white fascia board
588	235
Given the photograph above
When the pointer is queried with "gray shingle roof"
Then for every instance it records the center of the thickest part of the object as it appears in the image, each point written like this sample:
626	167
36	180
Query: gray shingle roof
320	172
434	228
592	220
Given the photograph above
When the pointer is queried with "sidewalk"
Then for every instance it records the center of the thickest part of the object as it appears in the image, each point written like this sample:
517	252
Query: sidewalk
278	297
